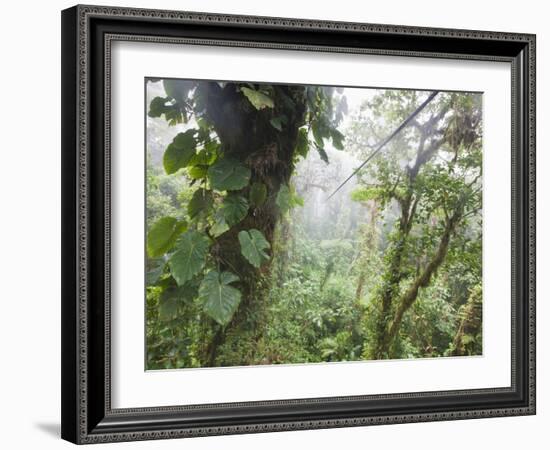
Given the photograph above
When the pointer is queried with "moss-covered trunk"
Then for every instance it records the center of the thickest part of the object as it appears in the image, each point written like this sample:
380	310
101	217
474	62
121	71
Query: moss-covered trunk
248	135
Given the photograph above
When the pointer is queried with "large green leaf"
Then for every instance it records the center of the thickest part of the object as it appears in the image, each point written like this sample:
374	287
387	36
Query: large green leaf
180	152
172	113
205	156
253	246
220	300
177	89
258	99
234	209
257	194
157	107
201	202
228	175
163	234
197	167
190	256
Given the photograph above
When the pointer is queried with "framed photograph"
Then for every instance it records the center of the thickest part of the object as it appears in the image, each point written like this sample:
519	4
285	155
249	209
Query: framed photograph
280	224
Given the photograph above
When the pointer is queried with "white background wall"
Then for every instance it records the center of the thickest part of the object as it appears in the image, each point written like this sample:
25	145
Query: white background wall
30	225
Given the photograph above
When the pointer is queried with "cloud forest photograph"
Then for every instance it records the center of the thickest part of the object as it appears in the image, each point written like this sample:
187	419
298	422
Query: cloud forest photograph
300	224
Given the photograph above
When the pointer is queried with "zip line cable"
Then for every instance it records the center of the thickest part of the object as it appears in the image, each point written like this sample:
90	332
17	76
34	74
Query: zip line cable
388	139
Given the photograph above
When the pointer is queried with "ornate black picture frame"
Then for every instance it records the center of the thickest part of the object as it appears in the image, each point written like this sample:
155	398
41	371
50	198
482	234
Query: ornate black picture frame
87	35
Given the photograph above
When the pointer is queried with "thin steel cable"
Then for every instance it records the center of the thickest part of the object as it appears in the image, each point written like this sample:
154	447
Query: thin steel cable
388	139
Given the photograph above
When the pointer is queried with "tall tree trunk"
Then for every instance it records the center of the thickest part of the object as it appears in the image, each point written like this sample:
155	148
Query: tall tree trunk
247	135
393	275
369	248
406	300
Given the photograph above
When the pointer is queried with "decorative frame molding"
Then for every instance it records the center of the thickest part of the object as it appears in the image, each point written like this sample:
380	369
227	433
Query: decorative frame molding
87	34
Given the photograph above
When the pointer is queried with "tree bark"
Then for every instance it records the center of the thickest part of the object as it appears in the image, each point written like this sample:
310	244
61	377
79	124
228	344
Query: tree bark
369	247
393	274
410	295
247	135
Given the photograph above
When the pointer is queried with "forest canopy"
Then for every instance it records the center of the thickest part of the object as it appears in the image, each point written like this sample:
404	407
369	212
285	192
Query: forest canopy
263	249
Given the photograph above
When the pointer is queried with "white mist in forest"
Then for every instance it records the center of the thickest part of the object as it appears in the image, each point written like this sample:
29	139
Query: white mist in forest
337	217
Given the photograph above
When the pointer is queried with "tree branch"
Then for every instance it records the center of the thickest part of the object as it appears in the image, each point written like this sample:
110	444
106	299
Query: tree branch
423	279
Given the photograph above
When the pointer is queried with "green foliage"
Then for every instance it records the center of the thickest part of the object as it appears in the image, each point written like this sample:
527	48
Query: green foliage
177	89
165	194
228	175
211	230
201	202
220	225
283	199
287	199
337	139
302	144
431	190
172	299
163	234
220	299
258	99
362	194
164	106
153	275
189	257
234	209
325	119
180	152
254	246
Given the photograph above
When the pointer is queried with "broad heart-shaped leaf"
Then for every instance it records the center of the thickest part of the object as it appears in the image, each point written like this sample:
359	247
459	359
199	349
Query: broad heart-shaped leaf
258	99
257	194
219	299
162	235
283	199
234	209
180	152
157	107
190	256
201	202
253	246
172	113
186	139
177	89
228	175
